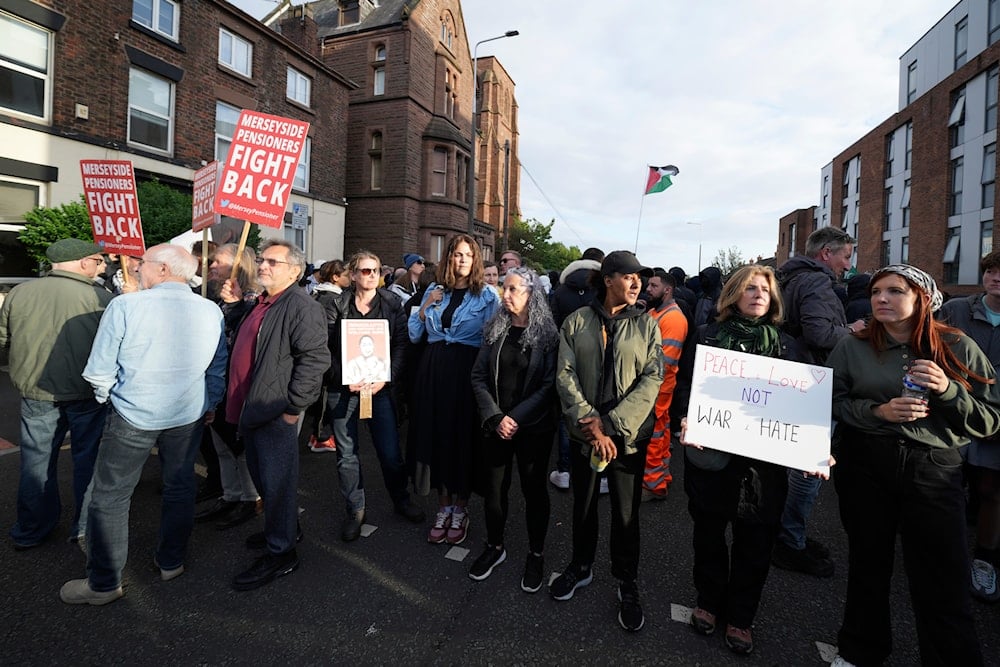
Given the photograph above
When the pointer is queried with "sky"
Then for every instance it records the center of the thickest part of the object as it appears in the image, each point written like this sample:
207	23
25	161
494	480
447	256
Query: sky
749	99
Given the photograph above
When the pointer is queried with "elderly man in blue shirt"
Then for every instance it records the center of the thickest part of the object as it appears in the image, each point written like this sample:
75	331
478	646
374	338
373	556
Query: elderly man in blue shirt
160	359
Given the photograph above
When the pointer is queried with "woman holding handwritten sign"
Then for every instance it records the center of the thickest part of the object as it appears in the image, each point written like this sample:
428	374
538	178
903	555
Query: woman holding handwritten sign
729	489
899	467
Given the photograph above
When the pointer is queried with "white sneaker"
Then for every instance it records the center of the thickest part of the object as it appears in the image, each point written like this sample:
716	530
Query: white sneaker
560	480
840	662
984	581
604	486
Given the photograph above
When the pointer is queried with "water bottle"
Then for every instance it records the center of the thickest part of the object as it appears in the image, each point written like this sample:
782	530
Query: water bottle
912	389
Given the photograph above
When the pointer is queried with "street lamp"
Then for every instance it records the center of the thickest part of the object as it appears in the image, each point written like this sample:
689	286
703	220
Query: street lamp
699	243
471	176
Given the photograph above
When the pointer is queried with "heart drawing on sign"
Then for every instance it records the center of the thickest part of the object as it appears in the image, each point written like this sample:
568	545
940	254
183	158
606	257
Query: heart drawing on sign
819	375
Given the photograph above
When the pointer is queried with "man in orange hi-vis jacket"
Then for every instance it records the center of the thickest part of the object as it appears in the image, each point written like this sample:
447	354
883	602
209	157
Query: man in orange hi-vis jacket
673	327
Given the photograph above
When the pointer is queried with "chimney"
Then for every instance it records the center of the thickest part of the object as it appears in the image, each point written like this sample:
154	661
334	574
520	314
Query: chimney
299	27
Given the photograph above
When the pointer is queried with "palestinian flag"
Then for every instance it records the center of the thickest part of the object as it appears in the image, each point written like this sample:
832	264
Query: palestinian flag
659	178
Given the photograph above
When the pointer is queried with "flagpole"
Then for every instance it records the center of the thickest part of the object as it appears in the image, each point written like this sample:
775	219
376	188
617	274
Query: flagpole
642	200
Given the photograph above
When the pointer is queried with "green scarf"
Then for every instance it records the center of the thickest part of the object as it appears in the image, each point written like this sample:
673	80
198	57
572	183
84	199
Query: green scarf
753	336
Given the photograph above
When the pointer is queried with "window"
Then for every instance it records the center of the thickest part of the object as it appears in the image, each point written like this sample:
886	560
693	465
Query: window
235	53
955	196
826	191
298	87
961	41
375	159
350	12
380	53
162	16
847	180
857	176
905	204
956	122
449	97
911	82
994	20
989	175
890	149
985	238
25	83
17	197
463	178
904	254
150	110
446	32
439	172
301	180
908	162
952	256
887	206
378	88
437	248
226	118
991	99
792	234
886	252
295	236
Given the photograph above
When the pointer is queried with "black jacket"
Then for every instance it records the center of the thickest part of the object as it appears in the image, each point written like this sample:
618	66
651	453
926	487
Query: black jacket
386	307
290	359
537	407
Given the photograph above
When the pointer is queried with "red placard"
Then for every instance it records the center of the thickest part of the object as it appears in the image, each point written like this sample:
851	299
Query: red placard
257	179
203	202
113	206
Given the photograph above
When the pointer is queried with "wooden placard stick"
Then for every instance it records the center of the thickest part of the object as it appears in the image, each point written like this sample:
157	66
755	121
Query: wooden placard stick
239	250
204	263
365	407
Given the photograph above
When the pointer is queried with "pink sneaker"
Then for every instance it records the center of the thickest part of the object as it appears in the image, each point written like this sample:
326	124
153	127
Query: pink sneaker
439	530
459	528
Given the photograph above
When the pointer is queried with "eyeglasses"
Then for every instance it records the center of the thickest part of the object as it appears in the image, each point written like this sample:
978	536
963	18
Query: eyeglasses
99	260
368	271
270	261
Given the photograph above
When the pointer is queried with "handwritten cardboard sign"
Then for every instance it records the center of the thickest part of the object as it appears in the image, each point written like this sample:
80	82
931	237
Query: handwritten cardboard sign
113	206
203	213
260	168
763	408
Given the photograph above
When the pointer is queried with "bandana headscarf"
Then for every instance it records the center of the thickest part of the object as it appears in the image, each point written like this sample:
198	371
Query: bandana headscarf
920	278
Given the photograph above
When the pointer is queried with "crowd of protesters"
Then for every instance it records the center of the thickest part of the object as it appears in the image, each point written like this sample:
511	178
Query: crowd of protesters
484	364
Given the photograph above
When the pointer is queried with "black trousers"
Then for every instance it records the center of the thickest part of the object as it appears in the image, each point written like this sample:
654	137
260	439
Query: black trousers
750	495
532	452
888	485
625	486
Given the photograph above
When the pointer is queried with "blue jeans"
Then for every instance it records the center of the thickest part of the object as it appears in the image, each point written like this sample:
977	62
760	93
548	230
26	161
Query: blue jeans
44	425
802	492
123	453
342	412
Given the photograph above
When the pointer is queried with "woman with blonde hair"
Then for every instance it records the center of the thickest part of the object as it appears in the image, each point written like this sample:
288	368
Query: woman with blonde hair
446	432
727	489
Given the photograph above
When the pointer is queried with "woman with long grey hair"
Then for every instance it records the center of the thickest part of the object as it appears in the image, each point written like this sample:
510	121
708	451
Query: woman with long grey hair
513	381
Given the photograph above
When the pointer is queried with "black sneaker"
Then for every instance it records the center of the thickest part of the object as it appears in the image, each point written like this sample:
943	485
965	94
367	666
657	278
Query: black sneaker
574	577
534	573
489	559
801	560
629	611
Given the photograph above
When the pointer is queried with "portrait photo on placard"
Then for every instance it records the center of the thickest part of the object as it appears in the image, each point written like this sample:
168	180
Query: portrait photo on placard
365	351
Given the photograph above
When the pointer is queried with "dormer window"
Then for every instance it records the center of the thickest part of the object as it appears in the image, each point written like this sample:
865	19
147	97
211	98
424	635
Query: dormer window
350	12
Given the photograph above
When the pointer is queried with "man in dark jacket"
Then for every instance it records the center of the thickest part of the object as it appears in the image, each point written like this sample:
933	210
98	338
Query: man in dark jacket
814	315
276	370
979	317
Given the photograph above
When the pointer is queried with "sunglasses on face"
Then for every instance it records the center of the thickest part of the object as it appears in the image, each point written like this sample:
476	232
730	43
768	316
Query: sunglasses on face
269	261
368	271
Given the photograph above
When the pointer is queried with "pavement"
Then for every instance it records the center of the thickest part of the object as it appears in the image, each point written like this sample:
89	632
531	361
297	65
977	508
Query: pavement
392	598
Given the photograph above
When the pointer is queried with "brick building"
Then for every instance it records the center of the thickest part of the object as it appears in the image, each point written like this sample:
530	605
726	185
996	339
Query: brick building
921	187
794	228
160	83
408	140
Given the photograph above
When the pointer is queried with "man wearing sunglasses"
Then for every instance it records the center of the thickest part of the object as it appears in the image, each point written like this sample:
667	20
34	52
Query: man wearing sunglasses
49	325
276	369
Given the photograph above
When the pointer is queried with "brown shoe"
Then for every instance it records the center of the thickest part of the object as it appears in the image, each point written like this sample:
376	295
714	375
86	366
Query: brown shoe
703	622
739	640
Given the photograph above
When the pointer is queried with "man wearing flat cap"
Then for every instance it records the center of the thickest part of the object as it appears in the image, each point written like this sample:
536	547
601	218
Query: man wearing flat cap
49	326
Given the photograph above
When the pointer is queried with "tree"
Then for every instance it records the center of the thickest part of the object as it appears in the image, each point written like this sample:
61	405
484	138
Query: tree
531	238
728	260
45	226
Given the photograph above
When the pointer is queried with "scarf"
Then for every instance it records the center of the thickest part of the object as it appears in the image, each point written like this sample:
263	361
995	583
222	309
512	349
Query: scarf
753	336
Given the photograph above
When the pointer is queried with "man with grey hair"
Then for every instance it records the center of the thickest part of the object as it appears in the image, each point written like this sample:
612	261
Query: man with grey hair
49	325
814	315
276	371
159	358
